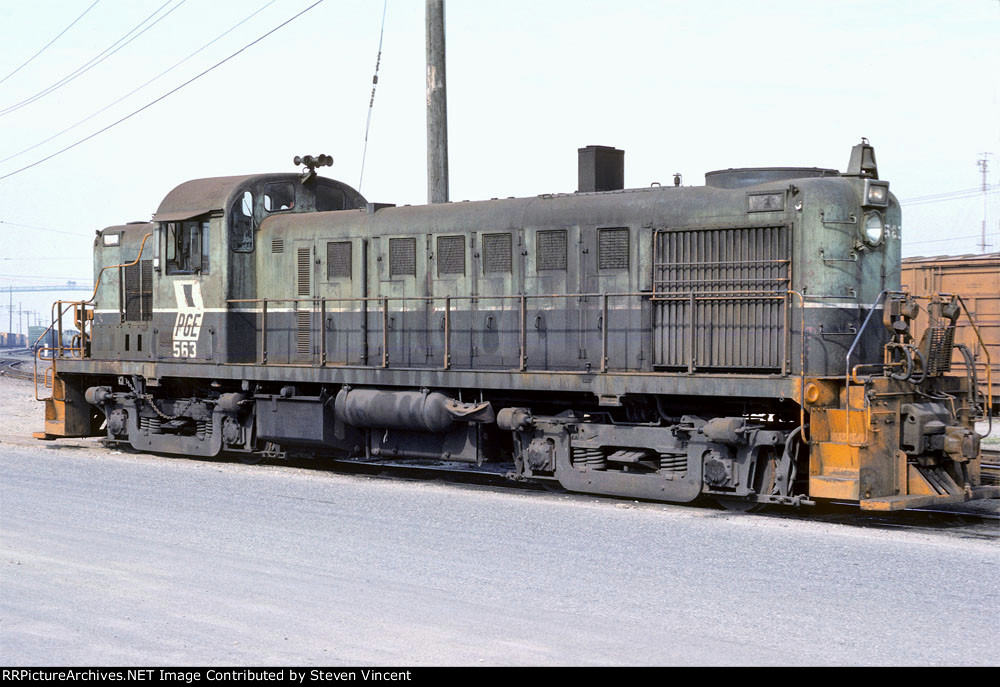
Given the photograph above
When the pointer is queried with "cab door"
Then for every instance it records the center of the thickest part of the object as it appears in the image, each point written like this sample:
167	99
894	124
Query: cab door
341	280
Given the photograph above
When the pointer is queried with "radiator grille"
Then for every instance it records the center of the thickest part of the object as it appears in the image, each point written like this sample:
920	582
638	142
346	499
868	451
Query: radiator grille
551	249
719	298
451	255
338	260
402	257
496	253
612	249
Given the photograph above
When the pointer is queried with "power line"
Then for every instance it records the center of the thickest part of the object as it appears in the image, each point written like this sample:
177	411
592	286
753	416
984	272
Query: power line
46	46
939	195
162	97
55	231
139	88
108	52
968	194
371	102
950	238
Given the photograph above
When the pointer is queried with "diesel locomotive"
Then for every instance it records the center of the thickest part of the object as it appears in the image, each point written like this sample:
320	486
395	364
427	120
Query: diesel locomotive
746	340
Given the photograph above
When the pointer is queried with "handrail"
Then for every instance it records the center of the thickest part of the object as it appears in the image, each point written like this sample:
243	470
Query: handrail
989	363
444	304
847	365
59	347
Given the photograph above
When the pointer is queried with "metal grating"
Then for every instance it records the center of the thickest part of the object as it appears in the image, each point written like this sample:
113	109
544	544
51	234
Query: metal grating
402	257
137	291
146	289
719	298
451	255
939	351
338	260
277	245
612	249
133	303
551	249
304	272
496	253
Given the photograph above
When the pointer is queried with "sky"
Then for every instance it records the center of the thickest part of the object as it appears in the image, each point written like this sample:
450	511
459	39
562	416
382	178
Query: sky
681	86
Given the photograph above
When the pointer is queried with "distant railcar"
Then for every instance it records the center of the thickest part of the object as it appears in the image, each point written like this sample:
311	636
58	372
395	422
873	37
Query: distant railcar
977	279
746	340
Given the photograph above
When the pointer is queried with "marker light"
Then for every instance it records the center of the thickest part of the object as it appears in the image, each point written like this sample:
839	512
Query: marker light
877	194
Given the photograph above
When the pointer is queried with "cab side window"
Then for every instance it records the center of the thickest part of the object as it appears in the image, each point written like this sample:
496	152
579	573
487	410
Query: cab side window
187	246
279	196
241	224
329	198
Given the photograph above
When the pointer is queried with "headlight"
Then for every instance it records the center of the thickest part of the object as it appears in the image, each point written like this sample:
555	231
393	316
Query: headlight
874	228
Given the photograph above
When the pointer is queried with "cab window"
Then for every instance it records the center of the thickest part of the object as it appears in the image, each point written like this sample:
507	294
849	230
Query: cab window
187	247
279	196
329	198
241	224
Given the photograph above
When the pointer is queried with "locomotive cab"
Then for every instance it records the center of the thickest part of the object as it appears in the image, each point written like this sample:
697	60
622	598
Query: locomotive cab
205	253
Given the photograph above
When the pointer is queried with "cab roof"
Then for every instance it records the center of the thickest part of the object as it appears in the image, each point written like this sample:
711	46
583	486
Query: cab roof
201	196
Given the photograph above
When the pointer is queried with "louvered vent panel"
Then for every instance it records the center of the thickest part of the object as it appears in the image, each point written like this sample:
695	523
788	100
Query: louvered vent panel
719	298
451	255
303	332
338	260
551	249
277	245
304	264
612	249
402	257
496	253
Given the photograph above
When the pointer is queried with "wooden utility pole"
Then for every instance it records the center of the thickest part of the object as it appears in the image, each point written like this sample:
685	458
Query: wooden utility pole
437	106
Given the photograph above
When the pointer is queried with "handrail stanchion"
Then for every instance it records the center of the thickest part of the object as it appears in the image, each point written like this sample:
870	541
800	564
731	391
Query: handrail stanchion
447	332
322	331
604	332
523	363
385	331
263	332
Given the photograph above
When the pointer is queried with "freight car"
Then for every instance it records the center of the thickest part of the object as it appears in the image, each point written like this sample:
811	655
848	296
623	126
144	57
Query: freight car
977	278
746	340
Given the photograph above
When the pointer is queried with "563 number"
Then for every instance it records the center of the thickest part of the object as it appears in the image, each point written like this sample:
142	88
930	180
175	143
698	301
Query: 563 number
185	349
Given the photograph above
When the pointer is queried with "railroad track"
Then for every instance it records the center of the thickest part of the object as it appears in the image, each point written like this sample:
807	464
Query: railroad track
15	368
